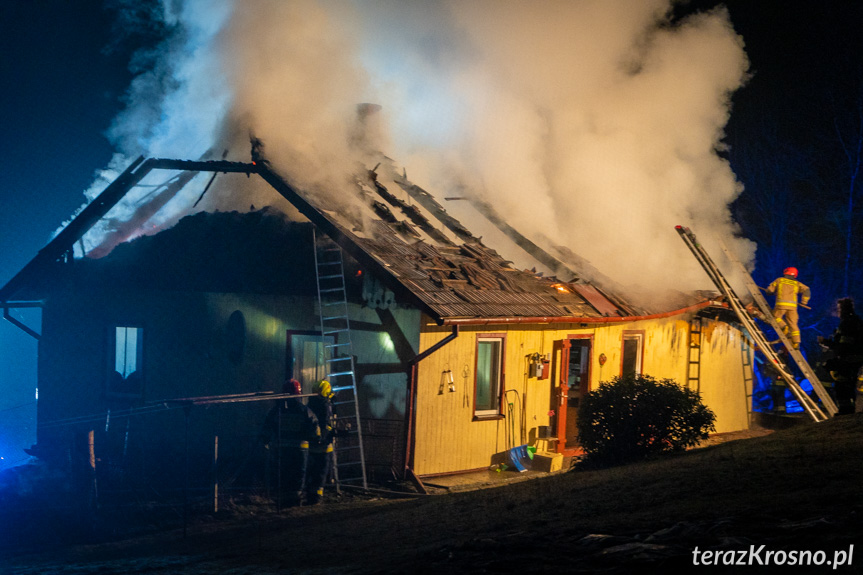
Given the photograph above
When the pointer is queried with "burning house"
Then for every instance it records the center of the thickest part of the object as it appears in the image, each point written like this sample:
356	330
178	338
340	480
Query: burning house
170	350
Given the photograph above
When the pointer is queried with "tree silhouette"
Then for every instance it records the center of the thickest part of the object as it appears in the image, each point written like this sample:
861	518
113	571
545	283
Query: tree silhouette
849	133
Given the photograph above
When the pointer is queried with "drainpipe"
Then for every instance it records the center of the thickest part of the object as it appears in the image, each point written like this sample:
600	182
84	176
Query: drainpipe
412	387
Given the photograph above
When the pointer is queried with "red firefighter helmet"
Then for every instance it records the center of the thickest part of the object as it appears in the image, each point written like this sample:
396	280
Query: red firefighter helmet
293	387
790	272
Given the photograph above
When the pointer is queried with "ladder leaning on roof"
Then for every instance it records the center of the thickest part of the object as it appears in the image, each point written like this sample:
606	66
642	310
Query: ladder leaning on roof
349	458
812	408
801	362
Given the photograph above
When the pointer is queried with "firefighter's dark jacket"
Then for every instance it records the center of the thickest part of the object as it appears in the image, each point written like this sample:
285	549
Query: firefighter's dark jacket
322	407
296	423
847	346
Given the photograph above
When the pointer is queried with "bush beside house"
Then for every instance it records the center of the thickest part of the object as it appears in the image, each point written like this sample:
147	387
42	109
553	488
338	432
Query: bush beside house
636	416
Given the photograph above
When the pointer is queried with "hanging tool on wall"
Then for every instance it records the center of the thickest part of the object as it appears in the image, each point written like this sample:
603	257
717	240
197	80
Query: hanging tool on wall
511	439
465	373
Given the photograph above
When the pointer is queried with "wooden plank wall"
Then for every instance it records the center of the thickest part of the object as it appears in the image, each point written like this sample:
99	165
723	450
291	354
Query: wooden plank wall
448	438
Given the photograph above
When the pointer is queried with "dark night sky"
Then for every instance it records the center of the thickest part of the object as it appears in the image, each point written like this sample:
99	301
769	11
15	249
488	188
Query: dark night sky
62	87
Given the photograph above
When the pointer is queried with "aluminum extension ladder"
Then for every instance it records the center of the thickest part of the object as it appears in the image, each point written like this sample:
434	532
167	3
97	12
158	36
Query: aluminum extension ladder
349	457
757	336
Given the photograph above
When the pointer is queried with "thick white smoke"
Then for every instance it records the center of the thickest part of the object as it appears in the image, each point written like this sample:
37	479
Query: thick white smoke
593	123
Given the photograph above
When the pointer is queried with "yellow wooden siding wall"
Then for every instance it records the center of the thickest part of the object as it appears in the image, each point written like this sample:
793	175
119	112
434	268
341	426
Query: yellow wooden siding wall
726	385
447	438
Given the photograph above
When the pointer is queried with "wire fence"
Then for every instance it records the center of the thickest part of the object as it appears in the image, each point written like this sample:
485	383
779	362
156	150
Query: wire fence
158	463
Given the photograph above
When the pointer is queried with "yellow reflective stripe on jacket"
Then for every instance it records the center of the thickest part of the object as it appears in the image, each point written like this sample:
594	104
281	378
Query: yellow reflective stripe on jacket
319	448
300	443
787	291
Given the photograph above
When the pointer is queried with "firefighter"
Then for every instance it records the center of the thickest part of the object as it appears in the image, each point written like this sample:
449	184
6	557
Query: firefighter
846	343
294	427
787	290
321	453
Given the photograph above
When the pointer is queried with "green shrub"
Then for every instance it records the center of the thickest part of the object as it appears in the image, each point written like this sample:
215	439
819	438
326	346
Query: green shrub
637	416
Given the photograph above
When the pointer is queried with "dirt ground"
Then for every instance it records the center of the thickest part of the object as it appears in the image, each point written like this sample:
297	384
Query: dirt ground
795	489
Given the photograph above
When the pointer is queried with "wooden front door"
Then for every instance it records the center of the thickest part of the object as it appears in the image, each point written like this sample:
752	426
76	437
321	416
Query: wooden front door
572	381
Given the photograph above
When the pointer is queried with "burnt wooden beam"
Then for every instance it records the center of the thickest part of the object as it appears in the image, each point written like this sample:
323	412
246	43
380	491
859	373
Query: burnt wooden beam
429	203
344	238
99	207
556	266
219	166
65	240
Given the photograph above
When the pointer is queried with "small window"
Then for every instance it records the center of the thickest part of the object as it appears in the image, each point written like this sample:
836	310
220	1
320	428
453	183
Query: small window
632	348
489	376
126	377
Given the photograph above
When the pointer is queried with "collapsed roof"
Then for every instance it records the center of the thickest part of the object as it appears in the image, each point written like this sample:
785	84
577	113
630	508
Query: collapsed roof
401	234
452	271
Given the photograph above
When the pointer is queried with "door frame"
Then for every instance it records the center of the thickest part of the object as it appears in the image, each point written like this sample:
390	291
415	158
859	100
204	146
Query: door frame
289	354
560	382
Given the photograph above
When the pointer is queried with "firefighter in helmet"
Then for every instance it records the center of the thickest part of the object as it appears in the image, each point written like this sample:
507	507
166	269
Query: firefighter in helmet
321	452
293	427
846	343
787	290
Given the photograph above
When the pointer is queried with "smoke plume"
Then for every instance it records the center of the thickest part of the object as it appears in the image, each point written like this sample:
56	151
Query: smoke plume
590	124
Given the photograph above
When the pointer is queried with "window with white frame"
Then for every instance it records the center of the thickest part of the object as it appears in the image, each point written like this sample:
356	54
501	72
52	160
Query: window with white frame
126	373
489	376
